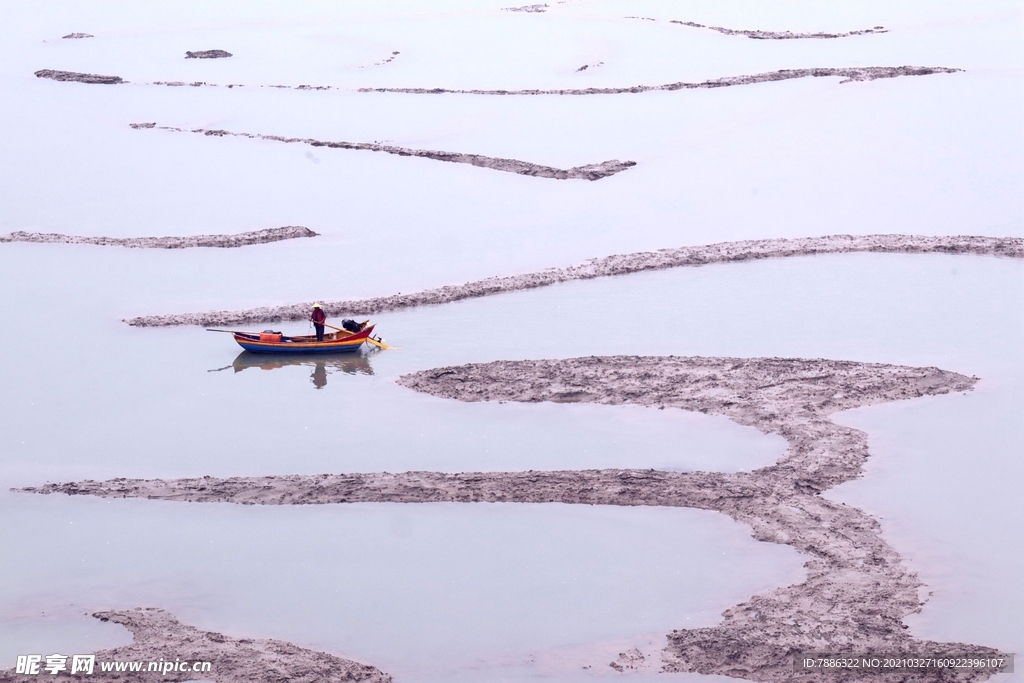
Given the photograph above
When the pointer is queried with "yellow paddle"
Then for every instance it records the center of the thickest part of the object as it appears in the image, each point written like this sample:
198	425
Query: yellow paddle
371	340
380	345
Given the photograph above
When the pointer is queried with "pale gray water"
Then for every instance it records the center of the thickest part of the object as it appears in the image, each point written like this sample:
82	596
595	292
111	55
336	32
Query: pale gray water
375	581
82	395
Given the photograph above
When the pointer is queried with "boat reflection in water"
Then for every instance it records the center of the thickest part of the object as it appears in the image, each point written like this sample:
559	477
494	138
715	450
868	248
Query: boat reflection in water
350	364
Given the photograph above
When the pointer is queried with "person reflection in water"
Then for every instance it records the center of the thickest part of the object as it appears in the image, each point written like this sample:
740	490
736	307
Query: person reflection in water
319	376
318	317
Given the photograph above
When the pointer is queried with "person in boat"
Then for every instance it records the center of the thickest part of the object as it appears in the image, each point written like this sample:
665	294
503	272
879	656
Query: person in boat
318	317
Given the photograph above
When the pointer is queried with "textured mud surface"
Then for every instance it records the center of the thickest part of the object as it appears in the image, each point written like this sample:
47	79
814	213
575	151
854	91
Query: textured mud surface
588	172
781	35
239	240
75	36
772	35
630	660
77	77
867	73
621	264
857	590
158	635
535	9
208	54
387	60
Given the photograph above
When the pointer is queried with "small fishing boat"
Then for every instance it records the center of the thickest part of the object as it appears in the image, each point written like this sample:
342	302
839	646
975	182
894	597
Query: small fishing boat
342	341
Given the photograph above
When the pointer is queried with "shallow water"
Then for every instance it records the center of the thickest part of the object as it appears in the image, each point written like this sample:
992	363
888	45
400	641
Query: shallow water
945	477
490	586
526	575
193	414
413	589
927	155
275	421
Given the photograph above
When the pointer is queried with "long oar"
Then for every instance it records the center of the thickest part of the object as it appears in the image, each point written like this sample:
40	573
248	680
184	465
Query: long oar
230	331
334	327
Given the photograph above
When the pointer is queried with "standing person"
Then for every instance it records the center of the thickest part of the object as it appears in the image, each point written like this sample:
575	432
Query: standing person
319	318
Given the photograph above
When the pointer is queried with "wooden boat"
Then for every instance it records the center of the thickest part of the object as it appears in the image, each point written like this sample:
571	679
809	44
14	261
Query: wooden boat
342	341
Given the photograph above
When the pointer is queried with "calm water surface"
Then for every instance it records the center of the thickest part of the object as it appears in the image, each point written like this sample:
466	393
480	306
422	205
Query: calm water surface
435	590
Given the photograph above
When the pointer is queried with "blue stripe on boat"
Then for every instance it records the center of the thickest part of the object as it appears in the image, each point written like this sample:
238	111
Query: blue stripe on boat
312	348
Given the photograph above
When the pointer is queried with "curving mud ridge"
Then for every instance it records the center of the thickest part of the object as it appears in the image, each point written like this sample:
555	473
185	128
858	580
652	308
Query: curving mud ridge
394	55
781	35
242	239
621	264
208	54
867	73
772	35
79	77
857	590
158	635
588	172
533	9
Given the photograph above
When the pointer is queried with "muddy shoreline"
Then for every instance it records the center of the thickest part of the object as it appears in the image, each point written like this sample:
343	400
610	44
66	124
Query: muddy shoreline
534	9
158	635
857	590
587	172
620	264
850	74
74	76
772	35
867	73
781	35
208	54
242	239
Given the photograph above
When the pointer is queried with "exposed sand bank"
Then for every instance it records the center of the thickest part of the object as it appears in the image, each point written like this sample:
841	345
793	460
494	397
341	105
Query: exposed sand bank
857	590
79	77
866	73
772	35
535	9
394	54
208	54
238	240
158	635
588	172
781	35
620	264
